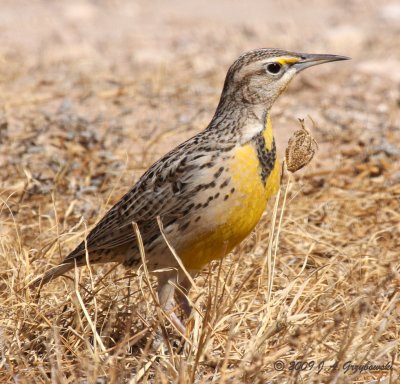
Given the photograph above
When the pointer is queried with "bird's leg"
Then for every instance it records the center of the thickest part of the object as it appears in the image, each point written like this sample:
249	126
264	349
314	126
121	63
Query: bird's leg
166	292
170	299
181	296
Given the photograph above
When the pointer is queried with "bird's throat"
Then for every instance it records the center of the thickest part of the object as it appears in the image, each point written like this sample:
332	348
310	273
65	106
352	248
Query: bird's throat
268	133
254	128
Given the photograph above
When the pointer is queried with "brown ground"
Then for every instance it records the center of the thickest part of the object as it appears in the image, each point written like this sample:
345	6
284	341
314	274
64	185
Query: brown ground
92	92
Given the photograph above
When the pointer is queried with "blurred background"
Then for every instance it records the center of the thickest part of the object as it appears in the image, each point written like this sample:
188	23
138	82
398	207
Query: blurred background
54	51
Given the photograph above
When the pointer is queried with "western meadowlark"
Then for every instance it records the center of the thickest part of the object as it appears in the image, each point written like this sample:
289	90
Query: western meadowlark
209	192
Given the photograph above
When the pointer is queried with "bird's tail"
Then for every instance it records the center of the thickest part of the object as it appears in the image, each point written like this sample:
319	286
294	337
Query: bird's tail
51	274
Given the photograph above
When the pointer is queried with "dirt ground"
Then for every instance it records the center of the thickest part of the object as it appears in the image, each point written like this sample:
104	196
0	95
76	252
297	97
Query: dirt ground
93	92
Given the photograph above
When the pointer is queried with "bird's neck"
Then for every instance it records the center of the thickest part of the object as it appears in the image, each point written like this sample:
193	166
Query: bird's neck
242	121
268	133
253	127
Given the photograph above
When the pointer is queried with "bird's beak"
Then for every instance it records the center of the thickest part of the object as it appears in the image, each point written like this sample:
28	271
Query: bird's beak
309	60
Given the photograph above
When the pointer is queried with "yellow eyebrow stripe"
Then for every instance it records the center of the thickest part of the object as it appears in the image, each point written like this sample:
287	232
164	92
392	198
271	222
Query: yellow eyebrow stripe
287	60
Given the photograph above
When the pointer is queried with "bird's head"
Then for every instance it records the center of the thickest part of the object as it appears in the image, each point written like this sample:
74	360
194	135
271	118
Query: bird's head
258	77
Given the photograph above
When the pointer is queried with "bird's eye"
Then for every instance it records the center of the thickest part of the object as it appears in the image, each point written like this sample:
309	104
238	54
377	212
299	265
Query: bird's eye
274	68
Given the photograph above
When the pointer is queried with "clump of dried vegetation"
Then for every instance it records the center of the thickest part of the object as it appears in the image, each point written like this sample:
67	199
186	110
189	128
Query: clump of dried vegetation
317	282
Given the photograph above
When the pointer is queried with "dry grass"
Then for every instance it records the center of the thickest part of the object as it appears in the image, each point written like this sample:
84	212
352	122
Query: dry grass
317	282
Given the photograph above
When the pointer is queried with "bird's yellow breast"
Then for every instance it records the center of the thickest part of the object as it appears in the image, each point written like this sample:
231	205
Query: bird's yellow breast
235	217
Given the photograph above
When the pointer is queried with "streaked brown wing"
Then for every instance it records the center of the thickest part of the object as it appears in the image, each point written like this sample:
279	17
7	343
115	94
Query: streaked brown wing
159	192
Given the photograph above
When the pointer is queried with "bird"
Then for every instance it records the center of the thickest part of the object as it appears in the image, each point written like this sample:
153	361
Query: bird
204	197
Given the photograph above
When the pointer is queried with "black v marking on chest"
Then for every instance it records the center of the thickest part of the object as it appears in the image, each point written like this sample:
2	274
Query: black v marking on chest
266	157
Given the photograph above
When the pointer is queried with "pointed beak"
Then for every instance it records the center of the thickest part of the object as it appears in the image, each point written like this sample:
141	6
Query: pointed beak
311	60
